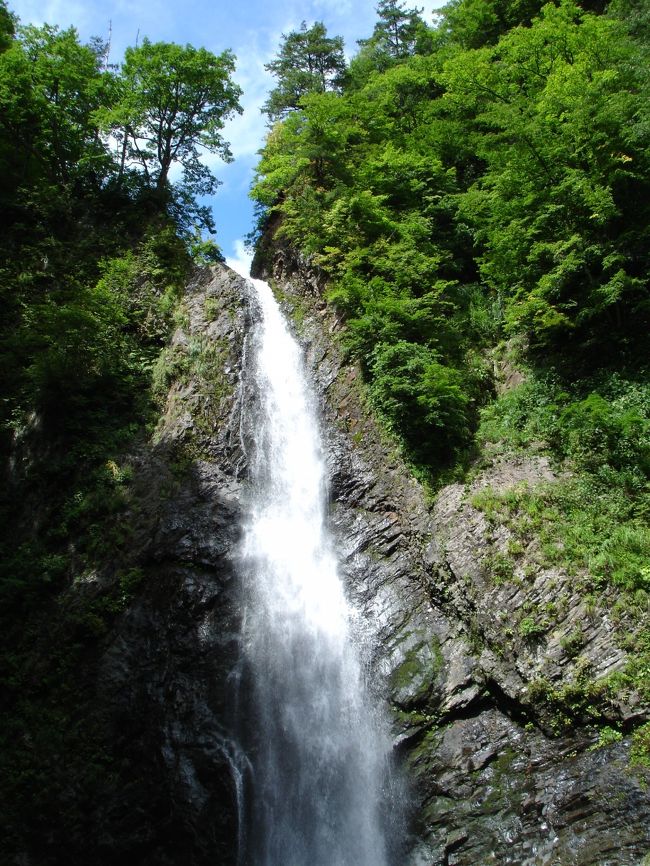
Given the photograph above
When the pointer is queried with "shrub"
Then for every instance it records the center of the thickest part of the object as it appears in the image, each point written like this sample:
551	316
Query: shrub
640	751
607	737
595	431
530	628
422	399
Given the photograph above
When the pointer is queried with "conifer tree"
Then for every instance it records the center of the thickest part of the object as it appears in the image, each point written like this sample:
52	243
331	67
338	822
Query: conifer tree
308	62
396	31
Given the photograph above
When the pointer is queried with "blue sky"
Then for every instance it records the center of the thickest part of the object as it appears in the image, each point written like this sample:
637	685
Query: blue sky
251	28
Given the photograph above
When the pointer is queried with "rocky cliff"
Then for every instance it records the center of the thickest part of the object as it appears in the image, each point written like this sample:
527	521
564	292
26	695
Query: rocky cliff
500	729
141	668
500	724
164	684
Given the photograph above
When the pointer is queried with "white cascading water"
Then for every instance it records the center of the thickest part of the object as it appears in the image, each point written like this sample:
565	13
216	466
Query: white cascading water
319	754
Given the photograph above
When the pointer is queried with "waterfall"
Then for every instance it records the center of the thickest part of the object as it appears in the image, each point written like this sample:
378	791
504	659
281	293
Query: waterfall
318	749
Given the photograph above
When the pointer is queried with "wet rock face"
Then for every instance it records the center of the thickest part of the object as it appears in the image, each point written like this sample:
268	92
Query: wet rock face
503	795
165	685
492	780
489	780
165	679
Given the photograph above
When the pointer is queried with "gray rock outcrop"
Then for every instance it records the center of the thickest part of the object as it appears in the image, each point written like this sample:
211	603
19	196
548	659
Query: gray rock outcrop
165	680
474	699
496	775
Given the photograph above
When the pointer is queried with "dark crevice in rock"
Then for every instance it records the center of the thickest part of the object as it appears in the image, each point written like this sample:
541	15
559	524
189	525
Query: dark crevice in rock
456	841
511	708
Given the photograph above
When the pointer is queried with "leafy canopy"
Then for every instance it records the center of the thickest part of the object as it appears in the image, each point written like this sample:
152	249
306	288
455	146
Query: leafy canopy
484	178
172	103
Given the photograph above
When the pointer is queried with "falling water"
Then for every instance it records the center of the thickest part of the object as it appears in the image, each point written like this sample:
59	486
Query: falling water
319	751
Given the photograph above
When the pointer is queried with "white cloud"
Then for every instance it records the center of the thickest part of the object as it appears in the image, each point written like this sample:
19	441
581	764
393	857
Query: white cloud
246	131
429	7
61	12
241	261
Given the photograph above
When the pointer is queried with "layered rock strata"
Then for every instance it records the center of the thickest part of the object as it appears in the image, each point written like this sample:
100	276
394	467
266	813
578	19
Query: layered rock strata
492	778
496	777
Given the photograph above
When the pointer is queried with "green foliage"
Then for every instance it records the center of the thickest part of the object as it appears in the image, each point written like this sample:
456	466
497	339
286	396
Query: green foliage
499	567
573	642
584	525
50	88
475	23
421	398
91	266
308	62
170	102
7	26
482	178
90	263
530	628
607	736
596	433
635	15
592	521
604	432
640	751
58	100
582	701
206	252
558	117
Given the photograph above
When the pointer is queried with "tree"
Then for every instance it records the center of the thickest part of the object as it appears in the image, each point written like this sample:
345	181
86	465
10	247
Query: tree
636	15
7	26
561	116
308	62
422	399
396	33
172	103
474	23
50	88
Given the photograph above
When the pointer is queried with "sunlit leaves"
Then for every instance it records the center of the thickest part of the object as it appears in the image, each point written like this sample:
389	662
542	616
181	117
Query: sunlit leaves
423	400
50	87
171	102
554	109
506	175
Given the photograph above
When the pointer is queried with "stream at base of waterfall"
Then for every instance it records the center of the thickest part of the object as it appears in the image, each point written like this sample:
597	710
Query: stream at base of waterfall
317	787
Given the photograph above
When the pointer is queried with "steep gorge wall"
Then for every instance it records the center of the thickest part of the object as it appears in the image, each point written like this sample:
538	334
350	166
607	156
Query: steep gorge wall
165	679
492	779
479	707
155	688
